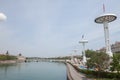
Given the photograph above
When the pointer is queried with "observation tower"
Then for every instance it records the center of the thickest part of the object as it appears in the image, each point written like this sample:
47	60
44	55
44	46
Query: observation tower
105	19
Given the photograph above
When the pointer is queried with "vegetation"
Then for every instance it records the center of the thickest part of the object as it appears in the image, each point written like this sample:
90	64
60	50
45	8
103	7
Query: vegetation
98	75
99	61
115	65
7	56
57	58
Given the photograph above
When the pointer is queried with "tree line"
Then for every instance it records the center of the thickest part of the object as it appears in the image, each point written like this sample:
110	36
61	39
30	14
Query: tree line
7	56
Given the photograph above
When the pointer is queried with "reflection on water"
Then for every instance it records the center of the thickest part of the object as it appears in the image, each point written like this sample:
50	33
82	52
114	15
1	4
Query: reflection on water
4	68
33	71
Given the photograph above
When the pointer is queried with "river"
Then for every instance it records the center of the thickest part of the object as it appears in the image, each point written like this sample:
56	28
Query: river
33	71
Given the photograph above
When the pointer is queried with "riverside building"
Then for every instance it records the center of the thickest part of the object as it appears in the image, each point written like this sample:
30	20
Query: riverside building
114	47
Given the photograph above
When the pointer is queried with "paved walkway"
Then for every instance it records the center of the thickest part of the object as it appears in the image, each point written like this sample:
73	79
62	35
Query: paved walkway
73	74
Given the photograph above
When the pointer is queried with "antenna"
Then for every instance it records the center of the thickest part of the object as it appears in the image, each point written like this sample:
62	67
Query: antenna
82	36
103	8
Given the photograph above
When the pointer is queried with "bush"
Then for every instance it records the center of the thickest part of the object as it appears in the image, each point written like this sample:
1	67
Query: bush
7	57
99	74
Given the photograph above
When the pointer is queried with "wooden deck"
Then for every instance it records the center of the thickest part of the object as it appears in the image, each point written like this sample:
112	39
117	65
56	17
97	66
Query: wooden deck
72	74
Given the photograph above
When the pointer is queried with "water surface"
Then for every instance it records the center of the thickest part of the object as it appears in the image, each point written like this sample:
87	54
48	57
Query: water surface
33	71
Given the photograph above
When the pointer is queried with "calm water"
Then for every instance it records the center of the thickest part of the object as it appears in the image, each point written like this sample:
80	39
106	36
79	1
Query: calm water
33	71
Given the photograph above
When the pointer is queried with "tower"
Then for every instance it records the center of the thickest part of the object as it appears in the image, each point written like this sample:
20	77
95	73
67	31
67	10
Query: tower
105	19
83	42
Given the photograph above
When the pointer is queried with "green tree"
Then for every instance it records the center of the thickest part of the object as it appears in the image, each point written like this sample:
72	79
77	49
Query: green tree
7	55
97	60
115	65
3	57
90	53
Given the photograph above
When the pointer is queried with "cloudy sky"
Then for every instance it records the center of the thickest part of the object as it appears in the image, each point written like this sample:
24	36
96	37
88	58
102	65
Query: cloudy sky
47	28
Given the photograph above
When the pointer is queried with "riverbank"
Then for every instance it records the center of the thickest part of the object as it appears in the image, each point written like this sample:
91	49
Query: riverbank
8	61
95	75
73	74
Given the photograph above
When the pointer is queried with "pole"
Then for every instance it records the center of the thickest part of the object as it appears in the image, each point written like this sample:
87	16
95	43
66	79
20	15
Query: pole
107	41
84	57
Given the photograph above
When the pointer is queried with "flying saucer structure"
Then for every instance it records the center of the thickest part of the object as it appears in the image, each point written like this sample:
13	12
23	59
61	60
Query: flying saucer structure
105	19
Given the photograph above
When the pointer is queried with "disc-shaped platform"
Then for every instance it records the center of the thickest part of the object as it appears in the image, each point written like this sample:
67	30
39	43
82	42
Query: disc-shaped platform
83	41
106	18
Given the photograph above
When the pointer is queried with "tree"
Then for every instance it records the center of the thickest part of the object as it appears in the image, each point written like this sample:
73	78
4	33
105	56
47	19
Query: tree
115	65
90	53
97	60
7	53
7	57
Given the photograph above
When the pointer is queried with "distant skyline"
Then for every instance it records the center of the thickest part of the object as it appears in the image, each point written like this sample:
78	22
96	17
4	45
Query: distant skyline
48	28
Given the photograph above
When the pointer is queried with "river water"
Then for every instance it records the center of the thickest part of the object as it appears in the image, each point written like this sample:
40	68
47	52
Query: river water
33	71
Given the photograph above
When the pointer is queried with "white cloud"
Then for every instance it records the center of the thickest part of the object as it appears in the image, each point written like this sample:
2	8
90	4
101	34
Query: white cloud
3	17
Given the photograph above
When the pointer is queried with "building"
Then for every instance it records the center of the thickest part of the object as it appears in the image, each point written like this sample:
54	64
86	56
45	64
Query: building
102	50
114	47
21	58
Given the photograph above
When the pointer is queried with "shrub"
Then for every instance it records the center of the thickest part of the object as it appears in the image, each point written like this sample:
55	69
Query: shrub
99	74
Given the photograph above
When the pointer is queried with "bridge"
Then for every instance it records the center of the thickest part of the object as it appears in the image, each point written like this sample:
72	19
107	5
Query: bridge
36	59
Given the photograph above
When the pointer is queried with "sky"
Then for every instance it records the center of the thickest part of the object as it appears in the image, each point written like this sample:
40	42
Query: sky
49	28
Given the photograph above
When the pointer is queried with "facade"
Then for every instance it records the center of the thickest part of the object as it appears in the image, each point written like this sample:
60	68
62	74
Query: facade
102	50
21	58
114	47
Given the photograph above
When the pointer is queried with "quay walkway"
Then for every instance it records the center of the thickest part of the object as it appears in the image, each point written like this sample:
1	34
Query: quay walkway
73	74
